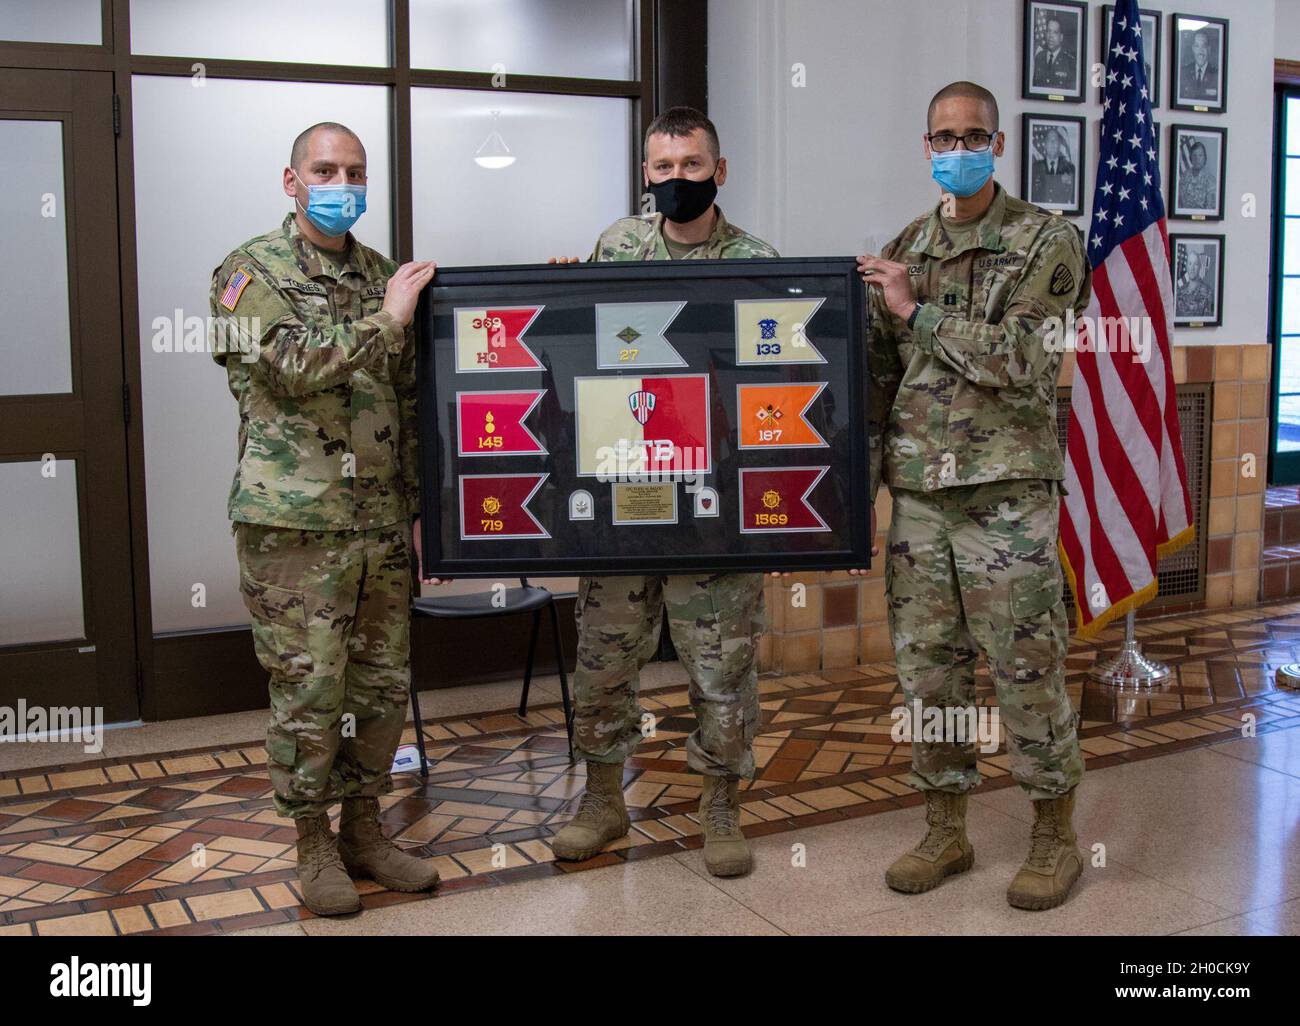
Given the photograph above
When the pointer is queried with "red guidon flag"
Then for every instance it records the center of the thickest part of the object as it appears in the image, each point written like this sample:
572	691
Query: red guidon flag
492	423
492	339
1126	501
775	499
495	507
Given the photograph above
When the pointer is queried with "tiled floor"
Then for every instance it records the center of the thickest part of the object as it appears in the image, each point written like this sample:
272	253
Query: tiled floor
1202	840
1280	560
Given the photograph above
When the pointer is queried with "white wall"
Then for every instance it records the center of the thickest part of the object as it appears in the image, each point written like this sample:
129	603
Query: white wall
837	167
1287	37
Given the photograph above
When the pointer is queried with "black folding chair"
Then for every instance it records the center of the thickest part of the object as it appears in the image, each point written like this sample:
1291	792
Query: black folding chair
526	598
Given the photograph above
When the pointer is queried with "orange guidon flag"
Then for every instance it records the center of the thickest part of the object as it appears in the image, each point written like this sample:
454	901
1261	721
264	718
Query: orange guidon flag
774	416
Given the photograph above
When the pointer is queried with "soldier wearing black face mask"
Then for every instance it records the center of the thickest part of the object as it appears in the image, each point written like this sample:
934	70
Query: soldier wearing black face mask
682	173
715	619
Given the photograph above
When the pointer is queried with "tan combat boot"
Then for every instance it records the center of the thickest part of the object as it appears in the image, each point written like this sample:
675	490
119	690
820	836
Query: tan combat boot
726	852
943	851
602	815
1054	862
366	852
326	889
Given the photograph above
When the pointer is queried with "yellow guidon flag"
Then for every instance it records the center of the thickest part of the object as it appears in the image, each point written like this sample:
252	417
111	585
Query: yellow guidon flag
775	331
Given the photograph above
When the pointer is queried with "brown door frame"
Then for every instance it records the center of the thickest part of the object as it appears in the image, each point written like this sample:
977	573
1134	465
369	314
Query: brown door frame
86	424
204	671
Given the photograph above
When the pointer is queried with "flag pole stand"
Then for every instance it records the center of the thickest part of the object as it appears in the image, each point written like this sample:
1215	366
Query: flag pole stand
1288	676
1128	669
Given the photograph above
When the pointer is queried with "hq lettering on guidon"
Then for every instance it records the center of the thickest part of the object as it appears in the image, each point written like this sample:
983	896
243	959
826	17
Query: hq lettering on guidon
74	979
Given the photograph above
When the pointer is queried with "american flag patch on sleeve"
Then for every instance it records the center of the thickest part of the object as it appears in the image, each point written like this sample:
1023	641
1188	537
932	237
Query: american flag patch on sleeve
235	288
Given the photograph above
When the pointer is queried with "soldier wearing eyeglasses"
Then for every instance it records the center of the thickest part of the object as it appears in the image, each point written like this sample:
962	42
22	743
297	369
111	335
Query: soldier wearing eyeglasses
963	305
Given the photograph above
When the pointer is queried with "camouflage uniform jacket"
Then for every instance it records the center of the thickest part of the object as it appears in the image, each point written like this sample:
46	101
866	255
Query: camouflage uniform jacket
334	377
967	395
642	238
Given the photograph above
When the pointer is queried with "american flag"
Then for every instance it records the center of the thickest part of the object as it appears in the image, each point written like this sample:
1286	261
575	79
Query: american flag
234	288
1126	503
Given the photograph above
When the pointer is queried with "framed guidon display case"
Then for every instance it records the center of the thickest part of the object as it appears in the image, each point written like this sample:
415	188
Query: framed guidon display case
644	417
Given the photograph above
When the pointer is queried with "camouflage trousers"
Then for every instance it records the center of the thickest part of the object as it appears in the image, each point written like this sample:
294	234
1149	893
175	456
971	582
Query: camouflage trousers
970	571
715	621
332	625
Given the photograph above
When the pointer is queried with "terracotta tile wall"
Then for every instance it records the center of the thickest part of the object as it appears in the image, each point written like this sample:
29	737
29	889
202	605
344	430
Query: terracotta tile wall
842	620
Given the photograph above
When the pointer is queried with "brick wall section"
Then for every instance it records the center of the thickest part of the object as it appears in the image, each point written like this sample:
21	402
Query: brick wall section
842	620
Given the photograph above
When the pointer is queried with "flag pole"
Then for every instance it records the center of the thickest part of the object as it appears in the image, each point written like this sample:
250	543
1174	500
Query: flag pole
1128	669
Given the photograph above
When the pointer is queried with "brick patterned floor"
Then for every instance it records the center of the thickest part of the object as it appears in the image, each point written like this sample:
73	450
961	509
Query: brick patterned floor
187	842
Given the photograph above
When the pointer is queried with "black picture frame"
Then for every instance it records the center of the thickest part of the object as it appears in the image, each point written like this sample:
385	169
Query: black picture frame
561	339
1149	18
1178	178
1184	317
1034	187
1182	97
1037	81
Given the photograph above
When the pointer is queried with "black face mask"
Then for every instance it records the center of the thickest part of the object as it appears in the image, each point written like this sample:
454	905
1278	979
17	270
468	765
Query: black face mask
682	200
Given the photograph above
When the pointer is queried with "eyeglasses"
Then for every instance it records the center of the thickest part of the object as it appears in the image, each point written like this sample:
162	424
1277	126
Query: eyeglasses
974	142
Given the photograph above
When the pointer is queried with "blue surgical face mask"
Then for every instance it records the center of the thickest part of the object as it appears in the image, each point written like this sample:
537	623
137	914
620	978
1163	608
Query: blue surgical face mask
334	209
961	172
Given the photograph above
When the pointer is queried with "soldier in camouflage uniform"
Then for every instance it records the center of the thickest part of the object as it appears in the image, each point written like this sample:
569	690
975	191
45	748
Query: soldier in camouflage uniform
715	619
322	503
964	304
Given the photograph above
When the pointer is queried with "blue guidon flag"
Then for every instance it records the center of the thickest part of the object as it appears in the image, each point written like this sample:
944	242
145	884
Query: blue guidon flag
642	405
1126	502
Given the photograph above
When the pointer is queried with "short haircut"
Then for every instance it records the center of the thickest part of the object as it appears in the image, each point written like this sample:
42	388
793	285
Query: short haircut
299	151
964	91
682	121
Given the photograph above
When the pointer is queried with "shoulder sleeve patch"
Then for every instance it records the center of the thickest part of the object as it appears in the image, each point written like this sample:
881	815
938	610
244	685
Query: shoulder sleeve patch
235	288
1062	281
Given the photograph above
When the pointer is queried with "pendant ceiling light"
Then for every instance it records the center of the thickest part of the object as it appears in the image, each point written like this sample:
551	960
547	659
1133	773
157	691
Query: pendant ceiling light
494	153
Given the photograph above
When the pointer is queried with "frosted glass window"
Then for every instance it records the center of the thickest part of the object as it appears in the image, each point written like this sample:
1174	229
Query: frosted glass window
35	350
570	38
1291	306
569	179
40	550
52	21
321	32
185	226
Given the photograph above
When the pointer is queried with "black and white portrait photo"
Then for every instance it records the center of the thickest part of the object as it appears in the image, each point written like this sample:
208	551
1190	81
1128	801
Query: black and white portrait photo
1198	279
1053	162
1200	65
1151	45
1197	165
1055	51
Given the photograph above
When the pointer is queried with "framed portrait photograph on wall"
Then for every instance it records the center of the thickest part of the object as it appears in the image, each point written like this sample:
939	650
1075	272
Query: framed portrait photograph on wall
1197	167
1198	280
1199	79
1151	47
1054	61
1053	158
